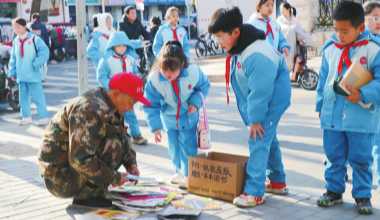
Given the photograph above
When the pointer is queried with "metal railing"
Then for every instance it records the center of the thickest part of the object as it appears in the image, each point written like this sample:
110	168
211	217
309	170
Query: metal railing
326	8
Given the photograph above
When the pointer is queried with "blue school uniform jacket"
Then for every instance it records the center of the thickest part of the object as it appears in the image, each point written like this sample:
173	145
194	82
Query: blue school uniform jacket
193	85
97	46
29	67
165	34
279	41
336	112
111	63
259	78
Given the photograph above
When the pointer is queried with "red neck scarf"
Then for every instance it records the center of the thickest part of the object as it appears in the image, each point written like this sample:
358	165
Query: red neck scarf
345	57
22	42
175	36
176	89
123	62
227	76
105	36
269	27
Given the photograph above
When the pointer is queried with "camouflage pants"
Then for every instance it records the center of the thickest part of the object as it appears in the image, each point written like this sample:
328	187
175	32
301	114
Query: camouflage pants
64	182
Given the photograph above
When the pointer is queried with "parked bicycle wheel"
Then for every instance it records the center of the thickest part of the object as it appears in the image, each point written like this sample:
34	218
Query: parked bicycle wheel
215	46
200	48
309	79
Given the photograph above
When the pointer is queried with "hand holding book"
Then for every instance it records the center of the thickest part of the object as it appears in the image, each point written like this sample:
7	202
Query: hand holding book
354	96
349	85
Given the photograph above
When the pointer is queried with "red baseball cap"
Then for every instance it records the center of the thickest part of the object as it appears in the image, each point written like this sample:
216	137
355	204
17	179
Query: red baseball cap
130	84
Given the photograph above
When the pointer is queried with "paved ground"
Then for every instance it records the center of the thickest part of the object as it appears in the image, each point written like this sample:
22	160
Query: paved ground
23	196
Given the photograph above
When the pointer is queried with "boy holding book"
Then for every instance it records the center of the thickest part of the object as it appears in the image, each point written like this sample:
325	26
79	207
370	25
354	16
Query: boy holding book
348	124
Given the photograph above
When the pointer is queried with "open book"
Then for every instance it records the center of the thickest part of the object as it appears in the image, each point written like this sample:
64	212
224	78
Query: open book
356	76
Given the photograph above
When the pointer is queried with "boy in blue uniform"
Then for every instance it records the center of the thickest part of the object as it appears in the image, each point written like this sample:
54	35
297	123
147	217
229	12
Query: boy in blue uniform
260	79
171	31
28	56
348	126
120	57
372	20
175	90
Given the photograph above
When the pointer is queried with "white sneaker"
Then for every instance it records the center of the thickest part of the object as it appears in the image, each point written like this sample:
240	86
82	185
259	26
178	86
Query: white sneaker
177	179
184	184
42	121
26	121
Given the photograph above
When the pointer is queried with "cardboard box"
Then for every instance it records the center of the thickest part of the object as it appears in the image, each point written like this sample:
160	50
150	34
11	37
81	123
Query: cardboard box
217	175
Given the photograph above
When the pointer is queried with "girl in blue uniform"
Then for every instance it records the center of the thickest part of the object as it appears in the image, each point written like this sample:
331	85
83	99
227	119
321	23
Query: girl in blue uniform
99	38
262	20
28	56
176	90
171	31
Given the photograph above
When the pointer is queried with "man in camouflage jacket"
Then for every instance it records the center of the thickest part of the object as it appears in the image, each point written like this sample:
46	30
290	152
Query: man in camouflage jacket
85	143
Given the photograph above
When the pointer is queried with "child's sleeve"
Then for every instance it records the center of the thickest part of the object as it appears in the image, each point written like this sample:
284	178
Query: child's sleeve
158	42
283	43
42	53
154	110
186	44
12	61
323	73
93	50
371	92
103	74
200	89
135	67
136	44
261	73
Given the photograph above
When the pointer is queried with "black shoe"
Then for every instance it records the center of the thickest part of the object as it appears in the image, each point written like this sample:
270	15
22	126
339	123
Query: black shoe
364	206
329	199
99	202
140	140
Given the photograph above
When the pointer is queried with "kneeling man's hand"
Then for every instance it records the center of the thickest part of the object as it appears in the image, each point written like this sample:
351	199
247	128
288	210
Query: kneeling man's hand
133	170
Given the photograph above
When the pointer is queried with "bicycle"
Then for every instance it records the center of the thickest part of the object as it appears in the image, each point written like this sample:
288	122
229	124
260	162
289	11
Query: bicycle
207	46
307	78
146	60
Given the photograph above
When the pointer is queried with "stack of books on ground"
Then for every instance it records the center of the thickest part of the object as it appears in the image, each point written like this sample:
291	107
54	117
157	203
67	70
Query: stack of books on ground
165	201
149	195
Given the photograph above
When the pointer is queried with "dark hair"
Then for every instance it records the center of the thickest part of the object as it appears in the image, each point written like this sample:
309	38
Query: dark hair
95	21
36	16
128	9
156	21
349	11
370	6
290	8
225	20
20	21
171	57
260	3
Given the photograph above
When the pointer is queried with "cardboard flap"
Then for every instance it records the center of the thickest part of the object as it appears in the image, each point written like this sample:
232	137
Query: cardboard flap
227	157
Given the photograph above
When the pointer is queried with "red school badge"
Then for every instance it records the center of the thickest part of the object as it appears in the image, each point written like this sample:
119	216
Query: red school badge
190	86
363	60
238	65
